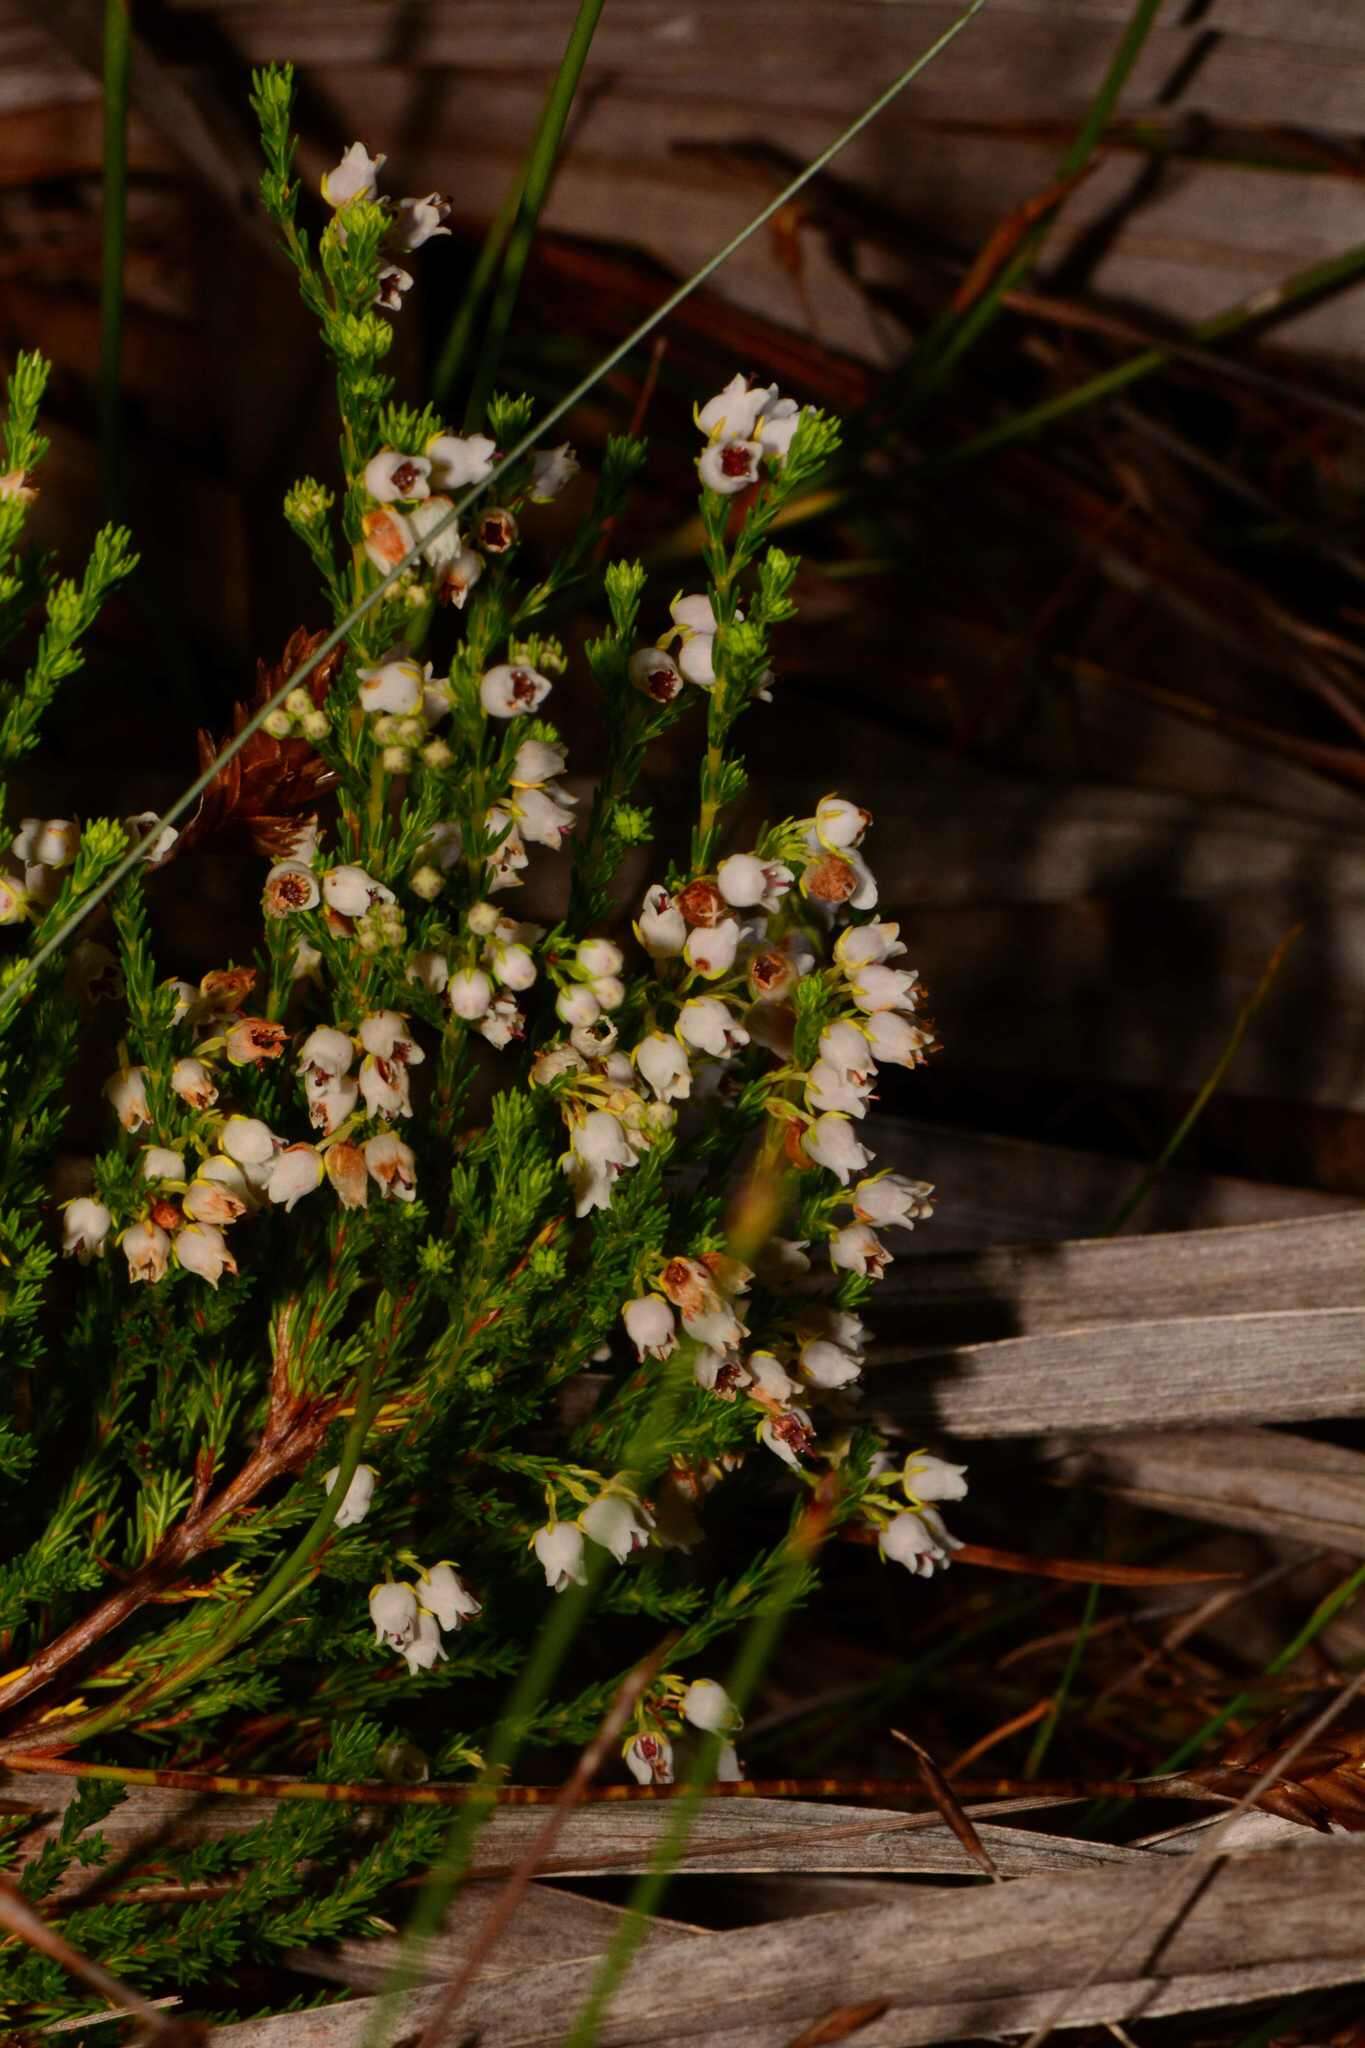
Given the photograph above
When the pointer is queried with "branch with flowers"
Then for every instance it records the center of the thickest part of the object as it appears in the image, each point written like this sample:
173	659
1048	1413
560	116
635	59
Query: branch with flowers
437	1259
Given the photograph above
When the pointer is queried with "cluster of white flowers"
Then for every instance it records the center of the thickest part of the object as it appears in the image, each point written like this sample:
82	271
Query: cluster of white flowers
414	221
616	1520
704	1705
240	1165
733	956
744	423
411	1617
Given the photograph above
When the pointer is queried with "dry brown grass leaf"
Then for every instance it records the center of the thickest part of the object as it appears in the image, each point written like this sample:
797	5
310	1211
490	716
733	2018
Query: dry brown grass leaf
266	792
1324	1787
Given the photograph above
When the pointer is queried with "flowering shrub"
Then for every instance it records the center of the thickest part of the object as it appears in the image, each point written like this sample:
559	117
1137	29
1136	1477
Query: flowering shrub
437	1261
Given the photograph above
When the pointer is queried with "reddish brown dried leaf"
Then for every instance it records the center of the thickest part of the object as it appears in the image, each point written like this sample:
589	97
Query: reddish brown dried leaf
267	790
1324	1785
948	1804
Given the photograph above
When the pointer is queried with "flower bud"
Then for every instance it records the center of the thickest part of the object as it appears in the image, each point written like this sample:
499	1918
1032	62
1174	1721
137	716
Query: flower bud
426	882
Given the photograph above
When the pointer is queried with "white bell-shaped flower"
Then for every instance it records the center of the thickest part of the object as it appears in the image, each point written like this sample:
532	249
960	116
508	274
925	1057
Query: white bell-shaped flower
147	1249
708	1026
159	1162
832	1142
425	1649
355	177
469	993
651	1326
708	1706
649	1757
393	1610
856	1249
663	1063
662	928
919	1542
930	1478
247	1140
710	950
551	470
729	466
351	892
827	1365
297	1171
419	220
394	687
392	1165
391	477
85	1226
289	887
202	1249
618	1524
127	1091
458	460
559	1546
444	1592
864	945
736	410
891	1200
876	987
511	690
840	824
355	1503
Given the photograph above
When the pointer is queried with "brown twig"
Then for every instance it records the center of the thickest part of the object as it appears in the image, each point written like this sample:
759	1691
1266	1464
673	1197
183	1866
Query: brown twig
294	1428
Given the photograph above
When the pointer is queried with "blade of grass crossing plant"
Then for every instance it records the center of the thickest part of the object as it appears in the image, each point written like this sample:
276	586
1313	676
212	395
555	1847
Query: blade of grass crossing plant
952	336
283	1581
25	972
117	45
1211	1086
759	1642
1042	1741
535	186
1326	1611
1314	282
552	1645
504	1906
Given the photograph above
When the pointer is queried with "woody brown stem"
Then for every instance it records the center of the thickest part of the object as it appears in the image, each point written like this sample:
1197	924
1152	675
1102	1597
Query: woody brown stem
292	1434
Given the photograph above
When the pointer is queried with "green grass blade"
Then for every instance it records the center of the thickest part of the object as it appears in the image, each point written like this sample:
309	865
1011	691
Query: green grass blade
540	169
1314	282
117	49
1047	1728
950	337
759	1642
1212	1084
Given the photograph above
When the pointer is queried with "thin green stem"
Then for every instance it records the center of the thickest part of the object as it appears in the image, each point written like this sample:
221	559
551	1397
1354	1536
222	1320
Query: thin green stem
1313	282
535	187
754	1652
25	973
951	337
1210	1088
1047	1728
117	50
1326	1611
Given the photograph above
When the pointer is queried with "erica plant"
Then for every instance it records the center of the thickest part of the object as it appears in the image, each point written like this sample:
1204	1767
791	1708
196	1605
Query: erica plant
433	1263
